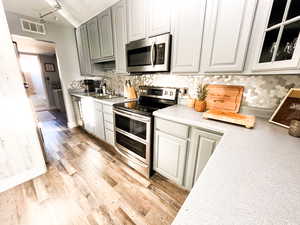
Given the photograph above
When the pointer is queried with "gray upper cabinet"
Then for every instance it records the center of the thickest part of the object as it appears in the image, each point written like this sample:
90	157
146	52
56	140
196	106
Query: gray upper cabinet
83	50
202	146
106	35
227	32
169	156
187	32
159	17
120	35
137	11
94	40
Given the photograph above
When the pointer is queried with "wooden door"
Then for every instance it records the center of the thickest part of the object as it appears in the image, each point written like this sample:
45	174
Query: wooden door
170	156
119	19
228	27
187	35
21	157
106	35
202	146
137	19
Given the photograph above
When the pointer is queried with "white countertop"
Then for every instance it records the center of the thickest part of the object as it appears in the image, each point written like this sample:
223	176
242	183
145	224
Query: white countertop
252	178
107	101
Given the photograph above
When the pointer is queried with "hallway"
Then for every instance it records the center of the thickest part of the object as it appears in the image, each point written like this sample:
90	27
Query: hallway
87	185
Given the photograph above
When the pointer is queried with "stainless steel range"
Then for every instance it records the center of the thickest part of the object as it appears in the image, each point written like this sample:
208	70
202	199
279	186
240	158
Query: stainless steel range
134	126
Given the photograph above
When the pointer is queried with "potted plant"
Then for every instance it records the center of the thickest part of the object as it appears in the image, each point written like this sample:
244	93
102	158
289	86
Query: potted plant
200	103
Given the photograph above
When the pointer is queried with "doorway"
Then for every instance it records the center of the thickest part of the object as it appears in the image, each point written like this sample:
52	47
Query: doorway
36	88
39	67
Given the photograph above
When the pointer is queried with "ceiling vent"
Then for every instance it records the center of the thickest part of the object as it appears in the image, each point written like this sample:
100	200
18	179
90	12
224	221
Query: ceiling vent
33	27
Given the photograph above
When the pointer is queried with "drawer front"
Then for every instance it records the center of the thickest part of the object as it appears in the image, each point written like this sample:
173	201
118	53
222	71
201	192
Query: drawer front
98	106
109	135
109	126
176	129
108	117
108	109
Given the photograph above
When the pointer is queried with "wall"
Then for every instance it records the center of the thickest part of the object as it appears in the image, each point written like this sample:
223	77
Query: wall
263	91
21	158
51	78
66	52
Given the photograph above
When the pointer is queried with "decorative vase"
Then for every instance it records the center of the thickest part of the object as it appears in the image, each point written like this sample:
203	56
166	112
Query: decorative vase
294	129
200	105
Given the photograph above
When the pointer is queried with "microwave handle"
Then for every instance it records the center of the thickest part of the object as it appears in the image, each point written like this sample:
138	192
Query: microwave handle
153	54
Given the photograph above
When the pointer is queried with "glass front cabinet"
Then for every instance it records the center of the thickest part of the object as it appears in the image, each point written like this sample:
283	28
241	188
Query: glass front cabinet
278	46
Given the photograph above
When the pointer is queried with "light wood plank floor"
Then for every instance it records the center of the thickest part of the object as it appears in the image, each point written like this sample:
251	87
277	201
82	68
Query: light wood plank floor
87	185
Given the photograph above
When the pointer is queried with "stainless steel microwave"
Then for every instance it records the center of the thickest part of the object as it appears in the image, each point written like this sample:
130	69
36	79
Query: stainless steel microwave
149	55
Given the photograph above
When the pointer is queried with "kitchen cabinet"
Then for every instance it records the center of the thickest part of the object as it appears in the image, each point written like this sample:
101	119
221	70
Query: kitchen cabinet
106	35
187	29
169	156
228	26
88	114
119	18
83	50
109	124
202	146
159	17
94	40
137	11
277	40
99	122
181	151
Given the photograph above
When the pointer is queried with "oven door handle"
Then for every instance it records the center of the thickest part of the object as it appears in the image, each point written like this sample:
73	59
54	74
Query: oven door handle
129	158
133	116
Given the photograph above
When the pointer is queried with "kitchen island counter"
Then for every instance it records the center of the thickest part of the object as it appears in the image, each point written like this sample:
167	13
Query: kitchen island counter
252	178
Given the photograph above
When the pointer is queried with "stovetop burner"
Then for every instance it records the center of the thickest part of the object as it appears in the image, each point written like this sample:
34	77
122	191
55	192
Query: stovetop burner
150	100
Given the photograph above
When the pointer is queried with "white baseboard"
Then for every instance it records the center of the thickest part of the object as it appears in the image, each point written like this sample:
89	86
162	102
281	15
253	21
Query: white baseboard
72	124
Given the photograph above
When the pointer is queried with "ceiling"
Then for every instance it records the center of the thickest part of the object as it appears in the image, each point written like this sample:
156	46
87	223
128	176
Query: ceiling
29	45
73	12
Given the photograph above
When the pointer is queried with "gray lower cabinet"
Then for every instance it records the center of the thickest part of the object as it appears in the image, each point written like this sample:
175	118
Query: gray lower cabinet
181	152
99	122
83	50
203	144
170	156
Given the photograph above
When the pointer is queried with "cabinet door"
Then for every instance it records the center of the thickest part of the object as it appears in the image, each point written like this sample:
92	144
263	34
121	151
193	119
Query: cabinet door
202	146
93	37
137	19
99	128
170	156
88	114
110	137
120	35
227	32
106	35
83	50
187	35
159	17
277	39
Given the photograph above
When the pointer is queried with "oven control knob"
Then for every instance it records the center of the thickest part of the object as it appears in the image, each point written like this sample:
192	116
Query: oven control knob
166	92
171	93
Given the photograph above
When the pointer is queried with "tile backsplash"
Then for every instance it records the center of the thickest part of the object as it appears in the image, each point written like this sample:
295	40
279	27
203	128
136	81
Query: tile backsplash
262	91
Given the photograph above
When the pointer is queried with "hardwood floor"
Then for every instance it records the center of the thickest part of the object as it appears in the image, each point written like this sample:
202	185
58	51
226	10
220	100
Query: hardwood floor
87	185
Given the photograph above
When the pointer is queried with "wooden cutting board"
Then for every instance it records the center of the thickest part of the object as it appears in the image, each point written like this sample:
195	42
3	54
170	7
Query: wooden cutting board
224	97
230	117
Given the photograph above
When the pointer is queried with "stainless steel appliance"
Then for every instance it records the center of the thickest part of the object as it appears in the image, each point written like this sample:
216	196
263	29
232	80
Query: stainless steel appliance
149	55
133	123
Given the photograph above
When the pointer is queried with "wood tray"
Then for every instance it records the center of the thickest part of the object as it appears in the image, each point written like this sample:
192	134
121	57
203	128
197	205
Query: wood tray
230	117
224	97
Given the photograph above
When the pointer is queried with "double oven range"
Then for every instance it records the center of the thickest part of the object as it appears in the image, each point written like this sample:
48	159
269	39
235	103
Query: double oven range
133	123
